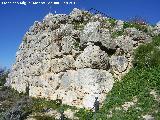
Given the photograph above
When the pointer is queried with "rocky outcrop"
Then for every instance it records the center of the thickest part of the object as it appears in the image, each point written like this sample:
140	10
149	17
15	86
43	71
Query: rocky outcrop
157	29
71	57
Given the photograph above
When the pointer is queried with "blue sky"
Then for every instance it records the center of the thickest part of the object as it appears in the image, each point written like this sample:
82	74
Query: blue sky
15	20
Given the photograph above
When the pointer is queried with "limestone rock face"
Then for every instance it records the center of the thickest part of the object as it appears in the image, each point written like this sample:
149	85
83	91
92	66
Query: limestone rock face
71	57
106	40
137	35
92	57
157	29
76	14
119	25
95	34
85	83
119	63
125	43
91	32
67	44
62	64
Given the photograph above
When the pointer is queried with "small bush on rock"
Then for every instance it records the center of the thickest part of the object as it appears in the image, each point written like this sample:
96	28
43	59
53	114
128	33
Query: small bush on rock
112	22
135	25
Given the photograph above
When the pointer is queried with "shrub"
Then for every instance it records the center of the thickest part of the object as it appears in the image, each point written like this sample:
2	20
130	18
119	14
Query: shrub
112	22
17	111
117	33
25	39
3	76
135	25
148	55
79	25
76	45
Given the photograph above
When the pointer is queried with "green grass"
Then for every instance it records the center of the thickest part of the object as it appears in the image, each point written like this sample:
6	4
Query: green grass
84	114
148	55
40	104
137	83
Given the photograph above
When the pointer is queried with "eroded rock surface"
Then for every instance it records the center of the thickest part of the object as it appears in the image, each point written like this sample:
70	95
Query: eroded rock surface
71	57
92	57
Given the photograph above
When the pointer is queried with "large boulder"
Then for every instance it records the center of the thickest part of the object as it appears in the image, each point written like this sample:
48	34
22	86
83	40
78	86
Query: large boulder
76	15
137	35
106	40
92	57
119	63
90	33
119	25
85	83
125	43
74	87
68	43
66	29
94	33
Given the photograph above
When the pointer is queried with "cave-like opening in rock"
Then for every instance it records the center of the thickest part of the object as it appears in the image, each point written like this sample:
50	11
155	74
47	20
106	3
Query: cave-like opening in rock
110	52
